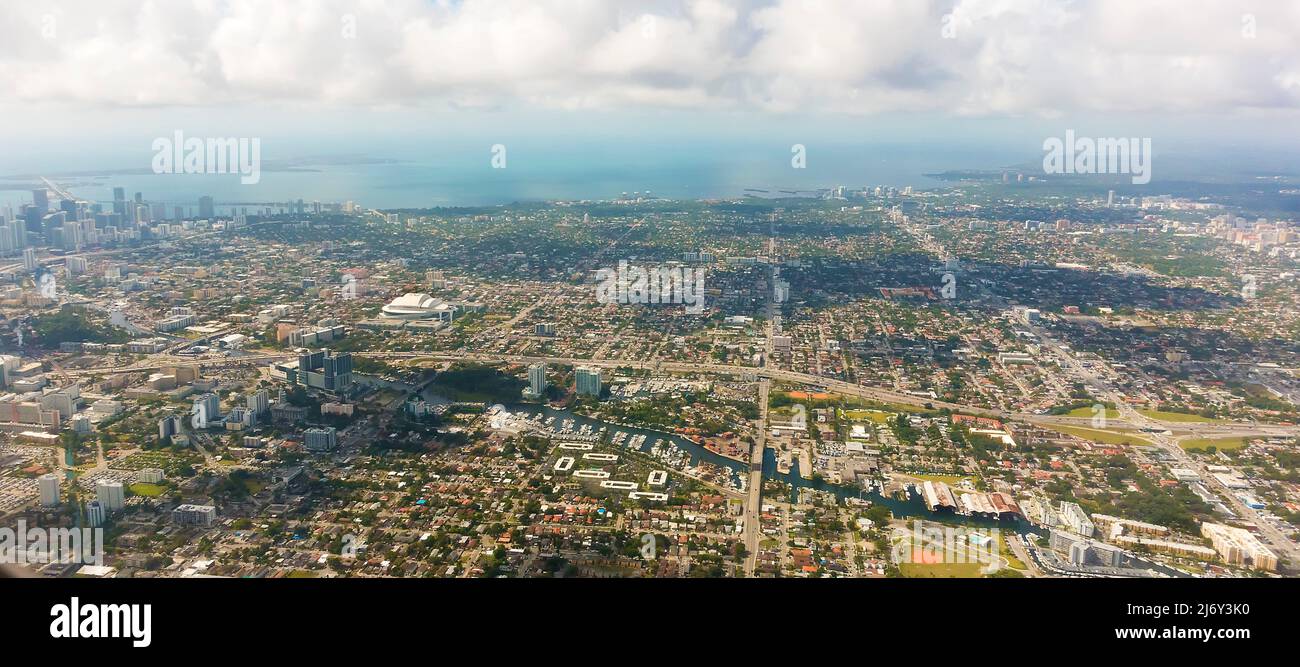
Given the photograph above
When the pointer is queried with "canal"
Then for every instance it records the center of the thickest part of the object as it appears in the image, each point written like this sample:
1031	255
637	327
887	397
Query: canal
911	506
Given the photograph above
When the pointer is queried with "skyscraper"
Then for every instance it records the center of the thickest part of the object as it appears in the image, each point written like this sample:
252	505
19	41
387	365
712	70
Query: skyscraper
206	208
72	210
169	426
207	409
41	200
587	381
536	379
94	514
49	490
19	229
111	495
72	236
259	402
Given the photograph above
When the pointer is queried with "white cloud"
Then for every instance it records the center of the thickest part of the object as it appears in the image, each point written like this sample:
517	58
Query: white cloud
853	56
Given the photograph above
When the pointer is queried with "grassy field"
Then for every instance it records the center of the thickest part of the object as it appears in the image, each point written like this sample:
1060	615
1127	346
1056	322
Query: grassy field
902	407
169	462
1177	416
148	490
877	416
1086	413
1221	444
1104	437
942	570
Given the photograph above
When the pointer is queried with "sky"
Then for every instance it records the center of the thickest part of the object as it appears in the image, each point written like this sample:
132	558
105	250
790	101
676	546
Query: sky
86	79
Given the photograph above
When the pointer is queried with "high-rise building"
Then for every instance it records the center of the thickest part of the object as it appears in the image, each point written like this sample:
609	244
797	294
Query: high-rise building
206	209
240	417
259	402
52	225
49	485
72	236
111	495
321	369
95	514
72	210
75	266
41	200
194	515
29	259
587	381
536	379
320	439
19	229
1076	519
169	426
206	410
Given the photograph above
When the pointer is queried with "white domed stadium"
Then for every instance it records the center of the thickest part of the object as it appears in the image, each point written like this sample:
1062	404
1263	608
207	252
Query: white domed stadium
419	306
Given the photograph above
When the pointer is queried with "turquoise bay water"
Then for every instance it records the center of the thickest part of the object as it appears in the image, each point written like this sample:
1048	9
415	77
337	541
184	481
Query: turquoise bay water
463	175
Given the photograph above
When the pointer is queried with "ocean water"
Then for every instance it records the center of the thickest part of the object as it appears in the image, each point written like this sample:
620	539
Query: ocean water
462	174
416	158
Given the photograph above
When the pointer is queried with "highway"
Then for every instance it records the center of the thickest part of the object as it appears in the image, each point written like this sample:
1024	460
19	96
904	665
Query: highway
754	491
1276	540
1133	419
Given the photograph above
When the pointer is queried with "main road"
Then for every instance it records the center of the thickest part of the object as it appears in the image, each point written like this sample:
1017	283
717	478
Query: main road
161	361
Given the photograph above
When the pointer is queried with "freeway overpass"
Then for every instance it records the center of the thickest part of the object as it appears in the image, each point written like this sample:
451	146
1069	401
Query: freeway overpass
1196	429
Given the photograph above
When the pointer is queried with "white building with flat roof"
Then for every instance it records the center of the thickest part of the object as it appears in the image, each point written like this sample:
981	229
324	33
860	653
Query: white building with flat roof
194	515
1238	546
1076	519
49	485
111	495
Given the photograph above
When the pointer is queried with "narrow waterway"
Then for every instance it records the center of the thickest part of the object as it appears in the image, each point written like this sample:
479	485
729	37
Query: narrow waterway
909	507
